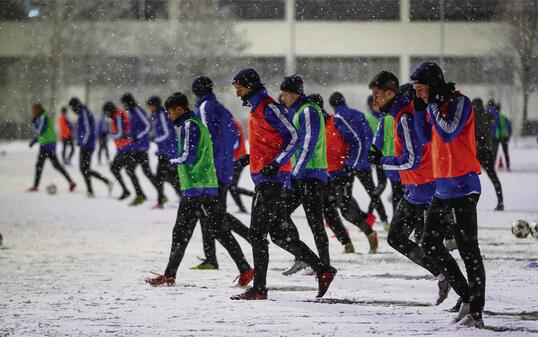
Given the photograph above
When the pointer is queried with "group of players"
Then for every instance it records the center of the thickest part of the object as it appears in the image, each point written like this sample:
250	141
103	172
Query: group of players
300	154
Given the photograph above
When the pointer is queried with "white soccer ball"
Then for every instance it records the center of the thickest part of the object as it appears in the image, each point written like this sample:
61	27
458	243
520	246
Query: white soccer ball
52	189
521	229
534	228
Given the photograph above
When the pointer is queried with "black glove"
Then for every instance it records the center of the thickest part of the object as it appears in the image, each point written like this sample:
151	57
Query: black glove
419	104
32	143
244	161
349	170
374	155
270	169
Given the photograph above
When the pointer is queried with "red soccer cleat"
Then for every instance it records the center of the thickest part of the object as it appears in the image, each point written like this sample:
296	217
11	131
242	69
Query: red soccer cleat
251	295
245	278
32	189
370	219
161	280
72	187
324	281
158	206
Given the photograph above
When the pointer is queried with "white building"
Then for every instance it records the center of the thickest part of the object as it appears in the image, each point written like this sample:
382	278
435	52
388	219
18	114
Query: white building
332	44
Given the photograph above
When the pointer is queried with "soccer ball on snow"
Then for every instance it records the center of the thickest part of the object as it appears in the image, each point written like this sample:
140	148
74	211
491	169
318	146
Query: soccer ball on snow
521	229
51	189
534	228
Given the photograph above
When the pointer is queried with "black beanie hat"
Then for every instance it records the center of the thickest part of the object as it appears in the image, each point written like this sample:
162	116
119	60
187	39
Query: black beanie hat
109	107
202	86
177	99
74	103
248	78
154	100
336	99
316	98
428	73
128	99
293	84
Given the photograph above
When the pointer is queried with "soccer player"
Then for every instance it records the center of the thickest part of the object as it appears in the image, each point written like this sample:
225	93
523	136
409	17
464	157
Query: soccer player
199	189
86	143
273	141
166	139
46	137
413	161
445	117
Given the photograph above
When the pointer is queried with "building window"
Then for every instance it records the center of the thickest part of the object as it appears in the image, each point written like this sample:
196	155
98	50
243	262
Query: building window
472	70
330	70
455	10
347	10
254	9
15	10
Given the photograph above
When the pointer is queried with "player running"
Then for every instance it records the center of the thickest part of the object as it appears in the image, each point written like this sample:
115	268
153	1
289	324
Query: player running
413	162
445	117
199	189
86	142
46	137
273	140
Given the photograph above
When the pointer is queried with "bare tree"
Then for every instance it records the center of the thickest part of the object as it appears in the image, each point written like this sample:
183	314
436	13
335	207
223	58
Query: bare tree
521	18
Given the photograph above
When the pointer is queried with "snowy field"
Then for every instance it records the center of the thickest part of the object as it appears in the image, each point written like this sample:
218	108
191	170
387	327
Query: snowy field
71	266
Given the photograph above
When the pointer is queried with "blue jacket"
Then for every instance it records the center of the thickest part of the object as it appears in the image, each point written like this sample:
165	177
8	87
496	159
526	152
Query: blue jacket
140	128
218	120
275	115
308	133
102	126
411	154
355	131
165	134
86	129
448	128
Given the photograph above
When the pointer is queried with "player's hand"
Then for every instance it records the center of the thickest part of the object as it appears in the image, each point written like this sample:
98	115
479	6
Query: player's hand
374	155
32	143
270	170
244	161
419	104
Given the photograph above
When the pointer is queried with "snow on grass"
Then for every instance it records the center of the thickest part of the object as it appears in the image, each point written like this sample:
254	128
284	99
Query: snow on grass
76	266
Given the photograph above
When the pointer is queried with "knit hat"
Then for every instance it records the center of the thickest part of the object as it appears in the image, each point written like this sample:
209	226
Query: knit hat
202	86
293	84
336	99
248	78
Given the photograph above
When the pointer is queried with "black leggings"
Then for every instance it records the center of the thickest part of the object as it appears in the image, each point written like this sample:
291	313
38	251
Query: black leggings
504	145
339	196
166	172
103	147
269	217
228	221
51	155
125	160
487	161
67	142
190	210
310	194
366	179
141	158
460	214
398	191
235	190
86	170
407	218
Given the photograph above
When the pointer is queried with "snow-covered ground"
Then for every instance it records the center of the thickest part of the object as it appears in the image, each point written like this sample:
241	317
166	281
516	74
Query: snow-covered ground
72	266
